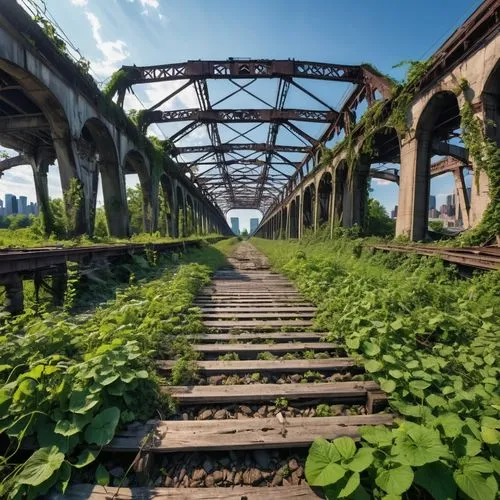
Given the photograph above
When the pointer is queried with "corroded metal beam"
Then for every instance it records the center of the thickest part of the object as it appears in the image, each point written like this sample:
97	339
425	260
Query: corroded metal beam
231	147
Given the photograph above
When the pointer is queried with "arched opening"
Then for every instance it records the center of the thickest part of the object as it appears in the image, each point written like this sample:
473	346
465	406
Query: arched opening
139	192
325	191
438	137
28	167
294	218
244	220
308	206
491	104
102	159
383	157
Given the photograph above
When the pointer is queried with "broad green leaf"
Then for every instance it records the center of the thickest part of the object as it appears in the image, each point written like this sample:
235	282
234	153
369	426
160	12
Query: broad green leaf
82	402
86	457
395	481
64	476
353	343
373	366
321	469
451	423
419	384
412	364
351	485
475	485
361	461
397	324
142	374
345	446
101	475
437	479
107	379
376	434
433	400
387	385
466	445
47	437
478	464
490	436
418	446
396	373
102	428
370	349
66	428
40	466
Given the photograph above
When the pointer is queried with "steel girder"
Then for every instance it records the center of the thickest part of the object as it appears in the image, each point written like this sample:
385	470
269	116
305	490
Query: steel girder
239	116
232	147
244	68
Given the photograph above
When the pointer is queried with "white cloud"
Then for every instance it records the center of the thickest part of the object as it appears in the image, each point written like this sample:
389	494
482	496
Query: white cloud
114	52
382	182
154	4
79	3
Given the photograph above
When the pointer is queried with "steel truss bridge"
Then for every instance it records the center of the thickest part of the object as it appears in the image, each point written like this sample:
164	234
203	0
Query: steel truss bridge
241	172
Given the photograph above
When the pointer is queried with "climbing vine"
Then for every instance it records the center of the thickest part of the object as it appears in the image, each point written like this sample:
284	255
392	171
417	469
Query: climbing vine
120	81
50	31
73	200
486	156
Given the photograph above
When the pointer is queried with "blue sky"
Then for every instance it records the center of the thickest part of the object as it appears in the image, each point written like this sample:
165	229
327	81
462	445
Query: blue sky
114	32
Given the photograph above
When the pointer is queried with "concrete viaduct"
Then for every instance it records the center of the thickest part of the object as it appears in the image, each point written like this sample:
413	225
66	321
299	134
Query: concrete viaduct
327	193
50	110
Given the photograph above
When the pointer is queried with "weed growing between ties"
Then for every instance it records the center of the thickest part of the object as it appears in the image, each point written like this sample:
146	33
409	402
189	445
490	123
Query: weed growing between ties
68	384
428	338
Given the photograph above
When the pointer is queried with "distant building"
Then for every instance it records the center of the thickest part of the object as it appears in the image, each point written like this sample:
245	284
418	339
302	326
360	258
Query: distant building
22	205
444	210
2	210
432	202
10	204
235	225
394	213
254	224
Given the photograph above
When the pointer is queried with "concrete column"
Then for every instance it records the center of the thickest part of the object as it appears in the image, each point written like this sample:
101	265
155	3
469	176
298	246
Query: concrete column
40	169
316	207
81	218
300	221
414	186
461	195
150	206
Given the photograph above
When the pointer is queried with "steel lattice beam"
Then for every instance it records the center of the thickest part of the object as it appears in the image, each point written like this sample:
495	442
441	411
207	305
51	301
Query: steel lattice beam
251	68
231	147
239	116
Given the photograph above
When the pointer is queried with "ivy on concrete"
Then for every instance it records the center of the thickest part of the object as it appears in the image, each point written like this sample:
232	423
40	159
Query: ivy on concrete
73	199
486	156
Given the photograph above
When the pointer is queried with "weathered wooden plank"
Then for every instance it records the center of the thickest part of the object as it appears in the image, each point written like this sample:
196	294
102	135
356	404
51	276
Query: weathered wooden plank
257	314
256	325
277	366
278	348
337	391
235	337
95	492
269	308
253	433
230	300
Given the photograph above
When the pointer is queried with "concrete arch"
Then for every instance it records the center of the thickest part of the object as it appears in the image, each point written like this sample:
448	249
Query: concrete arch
308	203
41	155
325	195
440	115
104	156
490	98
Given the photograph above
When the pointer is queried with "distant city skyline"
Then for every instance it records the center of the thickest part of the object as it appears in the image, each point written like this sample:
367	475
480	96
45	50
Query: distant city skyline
13	205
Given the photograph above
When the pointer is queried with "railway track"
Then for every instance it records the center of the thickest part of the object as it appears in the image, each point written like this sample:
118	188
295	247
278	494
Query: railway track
242	432
478	257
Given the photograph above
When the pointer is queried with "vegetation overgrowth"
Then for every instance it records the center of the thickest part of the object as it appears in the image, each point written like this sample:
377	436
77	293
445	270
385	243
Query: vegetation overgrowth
68	382
428	337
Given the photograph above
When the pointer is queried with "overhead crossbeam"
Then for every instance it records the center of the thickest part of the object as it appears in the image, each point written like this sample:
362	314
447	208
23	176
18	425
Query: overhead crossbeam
239	116
232	147
241	68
